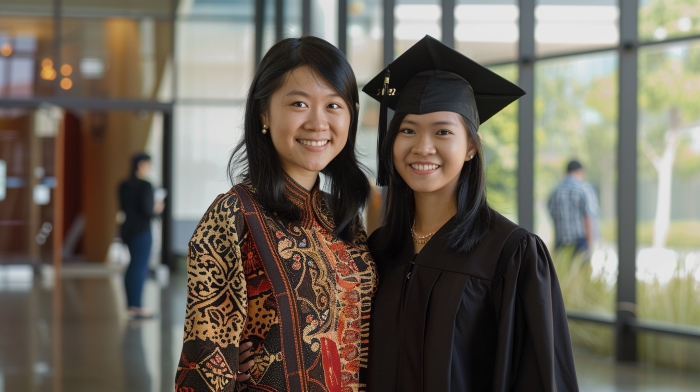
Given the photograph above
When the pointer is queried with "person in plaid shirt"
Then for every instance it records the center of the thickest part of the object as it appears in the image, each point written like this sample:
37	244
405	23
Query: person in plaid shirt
574	207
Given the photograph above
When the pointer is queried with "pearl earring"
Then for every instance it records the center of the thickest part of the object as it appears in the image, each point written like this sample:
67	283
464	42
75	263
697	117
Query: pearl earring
264	131
471	156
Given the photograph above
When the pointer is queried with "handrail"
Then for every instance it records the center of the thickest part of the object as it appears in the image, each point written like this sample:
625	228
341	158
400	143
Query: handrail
638	325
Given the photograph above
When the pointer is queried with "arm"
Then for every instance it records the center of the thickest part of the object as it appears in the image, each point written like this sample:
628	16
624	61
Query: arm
216	302
146	207
534	349
546	343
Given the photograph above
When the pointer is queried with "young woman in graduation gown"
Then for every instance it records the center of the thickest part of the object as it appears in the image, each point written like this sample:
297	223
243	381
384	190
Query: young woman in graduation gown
468	300
275	261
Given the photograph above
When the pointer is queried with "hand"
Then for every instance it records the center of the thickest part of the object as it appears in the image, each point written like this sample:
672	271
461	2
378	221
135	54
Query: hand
245	361
158	207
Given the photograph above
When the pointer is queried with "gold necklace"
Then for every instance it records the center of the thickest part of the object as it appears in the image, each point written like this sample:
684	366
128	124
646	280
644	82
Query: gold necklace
420	239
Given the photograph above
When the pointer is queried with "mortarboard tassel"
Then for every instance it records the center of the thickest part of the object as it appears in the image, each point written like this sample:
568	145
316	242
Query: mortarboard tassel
382	175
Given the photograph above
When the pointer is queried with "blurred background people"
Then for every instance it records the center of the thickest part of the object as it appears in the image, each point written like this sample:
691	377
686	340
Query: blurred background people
136	201
574	208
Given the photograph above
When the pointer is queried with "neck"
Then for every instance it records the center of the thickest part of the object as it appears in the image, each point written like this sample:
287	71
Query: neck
305	179
433	210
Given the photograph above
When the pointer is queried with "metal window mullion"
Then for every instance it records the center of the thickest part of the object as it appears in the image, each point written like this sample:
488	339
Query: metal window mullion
57	11
448	23
388	44
526	115
305	17
259	29
279	20
625	337
343	26
167	214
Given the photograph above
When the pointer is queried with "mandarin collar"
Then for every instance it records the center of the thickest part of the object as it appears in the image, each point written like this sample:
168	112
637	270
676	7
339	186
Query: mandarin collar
311	203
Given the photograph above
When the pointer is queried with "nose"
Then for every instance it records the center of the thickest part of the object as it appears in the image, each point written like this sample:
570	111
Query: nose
317	119
424	145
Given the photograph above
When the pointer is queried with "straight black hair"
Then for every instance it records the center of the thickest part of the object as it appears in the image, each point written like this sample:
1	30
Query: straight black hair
136	160
256	155
473	212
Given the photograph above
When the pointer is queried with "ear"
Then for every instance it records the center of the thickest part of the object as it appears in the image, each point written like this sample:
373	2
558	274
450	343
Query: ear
265	118
471	150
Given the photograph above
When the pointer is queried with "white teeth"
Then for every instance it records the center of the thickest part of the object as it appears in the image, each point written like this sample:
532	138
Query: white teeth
313	143
424	167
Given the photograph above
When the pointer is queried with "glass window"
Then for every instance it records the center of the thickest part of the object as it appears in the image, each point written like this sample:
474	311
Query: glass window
292	18
241	11
268	26
487	30
668	227
575	26
324	20
27	6
25	44
116	7
204	139
576	119
365	35
115	58
662	19
500	142
413	19
215	59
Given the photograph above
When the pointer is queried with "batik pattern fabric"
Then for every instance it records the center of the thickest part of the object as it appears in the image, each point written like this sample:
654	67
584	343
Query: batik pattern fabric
231	298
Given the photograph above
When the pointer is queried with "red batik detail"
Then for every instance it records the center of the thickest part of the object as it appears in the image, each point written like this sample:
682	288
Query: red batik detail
187	366
252	262
331	364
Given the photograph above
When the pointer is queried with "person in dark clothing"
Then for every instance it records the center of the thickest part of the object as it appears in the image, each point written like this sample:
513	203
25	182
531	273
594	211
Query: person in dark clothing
467	300
136	201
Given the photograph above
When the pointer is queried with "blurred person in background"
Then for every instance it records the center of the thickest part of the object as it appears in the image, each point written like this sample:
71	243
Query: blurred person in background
574	210
136	201
276	267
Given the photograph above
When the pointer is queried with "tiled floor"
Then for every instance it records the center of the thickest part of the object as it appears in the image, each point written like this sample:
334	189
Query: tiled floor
81	340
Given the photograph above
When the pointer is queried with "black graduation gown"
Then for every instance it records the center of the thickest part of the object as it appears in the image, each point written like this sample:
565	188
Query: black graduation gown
492	319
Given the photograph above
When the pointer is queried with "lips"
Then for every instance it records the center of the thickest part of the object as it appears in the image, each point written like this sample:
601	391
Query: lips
424	167
313	143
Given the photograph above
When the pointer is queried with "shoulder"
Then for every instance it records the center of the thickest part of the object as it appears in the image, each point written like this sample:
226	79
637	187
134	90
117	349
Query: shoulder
372	240
225	207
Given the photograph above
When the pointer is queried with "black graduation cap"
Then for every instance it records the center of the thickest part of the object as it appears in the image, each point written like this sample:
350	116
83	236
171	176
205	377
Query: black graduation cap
432	77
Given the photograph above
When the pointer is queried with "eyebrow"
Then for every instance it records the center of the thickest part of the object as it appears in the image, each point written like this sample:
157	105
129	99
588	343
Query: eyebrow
435	123
305	94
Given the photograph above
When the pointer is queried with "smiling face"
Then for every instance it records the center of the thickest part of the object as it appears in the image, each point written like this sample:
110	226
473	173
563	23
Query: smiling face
430	150
308	122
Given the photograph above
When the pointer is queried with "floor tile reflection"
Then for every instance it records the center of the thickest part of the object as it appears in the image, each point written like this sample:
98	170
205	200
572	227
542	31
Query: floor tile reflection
75	336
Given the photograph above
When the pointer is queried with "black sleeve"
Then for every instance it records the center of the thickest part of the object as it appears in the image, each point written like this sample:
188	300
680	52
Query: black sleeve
534	349
146	200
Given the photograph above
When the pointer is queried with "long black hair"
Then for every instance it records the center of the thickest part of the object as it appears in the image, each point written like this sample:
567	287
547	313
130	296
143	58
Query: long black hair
473	212
256	155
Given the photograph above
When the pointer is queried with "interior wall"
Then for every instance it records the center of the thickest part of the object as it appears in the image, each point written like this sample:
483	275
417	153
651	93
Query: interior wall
109	139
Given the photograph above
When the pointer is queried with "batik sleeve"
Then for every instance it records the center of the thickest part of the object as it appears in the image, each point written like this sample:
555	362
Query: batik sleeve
216	301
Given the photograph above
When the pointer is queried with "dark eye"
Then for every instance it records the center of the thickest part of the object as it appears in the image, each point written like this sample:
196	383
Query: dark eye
334	106
444	132
299	104
408	131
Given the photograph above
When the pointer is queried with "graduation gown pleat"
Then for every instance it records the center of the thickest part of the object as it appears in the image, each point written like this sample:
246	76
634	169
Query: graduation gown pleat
492	319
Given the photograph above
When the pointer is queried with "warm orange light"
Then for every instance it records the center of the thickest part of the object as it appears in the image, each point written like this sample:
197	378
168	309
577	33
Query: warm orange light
48	74
6	49
66	83
66	70
46	63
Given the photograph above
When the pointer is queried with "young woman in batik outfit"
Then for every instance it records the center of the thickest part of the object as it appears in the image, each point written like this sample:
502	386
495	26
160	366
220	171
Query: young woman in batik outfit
276	261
